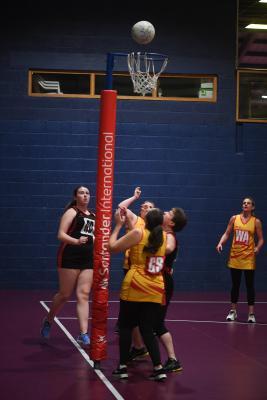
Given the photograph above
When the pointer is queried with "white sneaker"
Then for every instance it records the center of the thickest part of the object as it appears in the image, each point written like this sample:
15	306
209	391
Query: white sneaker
232	316
251	318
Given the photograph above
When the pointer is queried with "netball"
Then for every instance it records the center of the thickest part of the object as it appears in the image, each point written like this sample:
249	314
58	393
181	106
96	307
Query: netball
143	32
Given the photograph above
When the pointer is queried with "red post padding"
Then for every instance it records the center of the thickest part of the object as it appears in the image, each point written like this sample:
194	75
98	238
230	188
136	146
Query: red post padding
104	195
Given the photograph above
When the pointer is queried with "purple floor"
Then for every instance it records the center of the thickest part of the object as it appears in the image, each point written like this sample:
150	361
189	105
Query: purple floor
221	361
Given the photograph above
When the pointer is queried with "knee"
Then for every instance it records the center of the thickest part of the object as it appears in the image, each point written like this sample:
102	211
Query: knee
146	331
82	294
64	296
160	330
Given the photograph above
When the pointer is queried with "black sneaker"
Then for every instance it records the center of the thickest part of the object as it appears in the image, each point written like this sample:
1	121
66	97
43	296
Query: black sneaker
172	365
137	353
158	375
120	373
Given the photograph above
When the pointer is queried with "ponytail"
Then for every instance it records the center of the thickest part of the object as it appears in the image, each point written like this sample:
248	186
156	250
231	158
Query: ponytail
154	220
70	205
155	240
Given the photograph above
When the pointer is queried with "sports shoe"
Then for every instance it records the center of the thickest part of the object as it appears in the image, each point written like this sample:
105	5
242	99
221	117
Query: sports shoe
120	372
232	316
83	339
158	375
45	329
172	365
135	354
251	318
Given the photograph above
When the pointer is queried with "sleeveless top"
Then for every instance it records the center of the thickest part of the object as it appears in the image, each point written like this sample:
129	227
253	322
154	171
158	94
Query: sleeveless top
140	285
140	223
242	254
78	256
171	257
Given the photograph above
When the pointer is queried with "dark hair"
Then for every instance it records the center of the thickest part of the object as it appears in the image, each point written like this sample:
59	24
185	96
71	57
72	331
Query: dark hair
252	202
74	194
179	219
154	221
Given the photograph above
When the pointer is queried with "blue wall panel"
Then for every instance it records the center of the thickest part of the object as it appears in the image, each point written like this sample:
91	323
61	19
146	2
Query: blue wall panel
186	154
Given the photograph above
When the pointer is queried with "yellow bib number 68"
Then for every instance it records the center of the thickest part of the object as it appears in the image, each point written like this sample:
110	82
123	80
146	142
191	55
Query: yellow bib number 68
155	265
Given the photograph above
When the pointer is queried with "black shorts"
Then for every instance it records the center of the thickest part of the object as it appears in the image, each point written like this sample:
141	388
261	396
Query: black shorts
76	257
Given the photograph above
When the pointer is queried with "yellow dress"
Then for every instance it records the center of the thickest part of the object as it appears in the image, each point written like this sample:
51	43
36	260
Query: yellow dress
139	284
140	223
242	254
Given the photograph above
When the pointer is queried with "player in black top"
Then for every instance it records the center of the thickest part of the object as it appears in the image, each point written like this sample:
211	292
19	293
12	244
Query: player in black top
75	262
73	256
174	221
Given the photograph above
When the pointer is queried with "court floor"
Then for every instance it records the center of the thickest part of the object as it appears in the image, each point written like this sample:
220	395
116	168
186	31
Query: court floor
221	360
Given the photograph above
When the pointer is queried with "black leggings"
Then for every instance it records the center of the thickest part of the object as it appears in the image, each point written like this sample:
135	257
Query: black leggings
144	315
160	328
236	275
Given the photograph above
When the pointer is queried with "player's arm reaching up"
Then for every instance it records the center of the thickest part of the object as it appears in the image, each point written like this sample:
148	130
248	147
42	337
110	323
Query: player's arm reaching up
131	217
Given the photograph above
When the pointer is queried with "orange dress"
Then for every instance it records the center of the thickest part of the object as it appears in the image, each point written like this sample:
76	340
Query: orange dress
140	223
242	254
139	284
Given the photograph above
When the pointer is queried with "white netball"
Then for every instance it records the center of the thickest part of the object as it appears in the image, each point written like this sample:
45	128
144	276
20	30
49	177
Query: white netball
143	32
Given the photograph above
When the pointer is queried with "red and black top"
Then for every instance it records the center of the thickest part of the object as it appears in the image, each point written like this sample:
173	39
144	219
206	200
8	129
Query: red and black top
78	256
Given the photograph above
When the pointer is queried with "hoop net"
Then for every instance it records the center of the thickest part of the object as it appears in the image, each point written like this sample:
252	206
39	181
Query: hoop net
145	69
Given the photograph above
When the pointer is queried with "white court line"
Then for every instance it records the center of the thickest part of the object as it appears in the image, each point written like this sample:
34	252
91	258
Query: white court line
212	302
183	320
101	376
178	301
216	322
186	320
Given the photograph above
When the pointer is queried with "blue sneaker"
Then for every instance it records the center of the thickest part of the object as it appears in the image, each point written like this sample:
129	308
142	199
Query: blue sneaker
83	339
45	329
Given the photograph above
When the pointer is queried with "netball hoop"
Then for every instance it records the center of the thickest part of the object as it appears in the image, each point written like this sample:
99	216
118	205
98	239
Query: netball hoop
145	69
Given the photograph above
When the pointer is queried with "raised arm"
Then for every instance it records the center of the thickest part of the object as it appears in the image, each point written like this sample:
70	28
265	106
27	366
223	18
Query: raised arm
125	242
127	202
131	217
226	234
259	233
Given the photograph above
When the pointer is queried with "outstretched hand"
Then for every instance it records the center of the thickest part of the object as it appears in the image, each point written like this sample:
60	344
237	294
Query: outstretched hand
137	192
120	215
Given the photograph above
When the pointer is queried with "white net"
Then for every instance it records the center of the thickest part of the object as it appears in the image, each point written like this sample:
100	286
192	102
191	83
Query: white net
145	68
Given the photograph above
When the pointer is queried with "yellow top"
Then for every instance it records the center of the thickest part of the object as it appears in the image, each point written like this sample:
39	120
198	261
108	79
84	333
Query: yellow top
144	280
242	254
140	223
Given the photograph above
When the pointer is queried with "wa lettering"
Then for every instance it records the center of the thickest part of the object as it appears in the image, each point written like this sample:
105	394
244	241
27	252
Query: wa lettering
241	237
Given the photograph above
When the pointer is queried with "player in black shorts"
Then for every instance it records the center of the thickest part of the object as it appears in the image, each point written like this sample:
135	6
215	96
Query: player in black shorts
75	262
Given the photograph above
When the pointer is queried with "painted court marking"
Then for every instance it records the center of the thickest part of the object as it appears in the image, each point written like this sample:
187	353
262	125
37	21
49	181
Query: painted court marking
99	373
183	320
178	301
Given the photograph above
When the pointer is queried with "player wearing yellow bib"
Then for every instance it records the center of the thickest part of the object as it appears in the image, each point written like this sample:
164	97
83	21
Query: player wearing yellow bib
243	254
134	221
142	291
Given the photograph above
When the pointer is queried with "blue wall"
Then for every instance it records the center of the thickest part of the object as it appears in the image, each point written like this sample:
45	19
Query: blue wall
191	155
